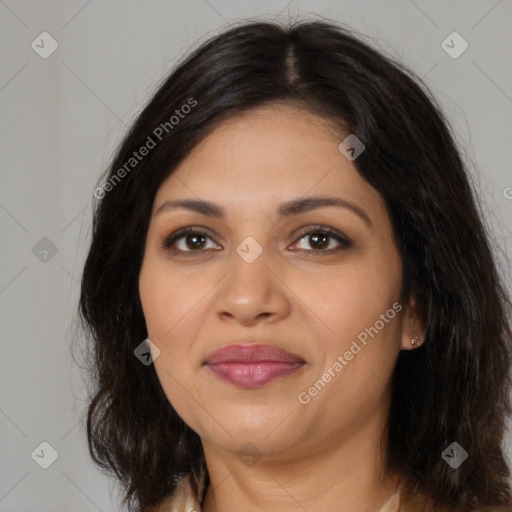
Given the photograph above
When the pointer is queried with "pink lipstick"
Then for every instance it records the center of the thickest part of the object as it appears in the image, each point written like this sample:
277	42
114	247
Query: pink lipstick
251	365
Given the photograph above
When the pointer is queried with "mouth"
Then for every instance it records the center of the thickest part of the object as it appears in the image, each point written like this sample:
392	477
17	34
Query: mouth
251	365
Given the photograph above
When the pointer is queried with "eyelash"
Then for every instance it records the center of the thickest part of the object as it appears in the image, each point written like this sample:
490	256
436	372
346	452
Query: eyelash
345	243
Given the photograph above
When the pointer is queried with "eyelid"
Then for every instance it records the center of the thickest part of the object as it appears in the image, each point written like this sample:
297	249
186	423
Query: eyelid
344	241
170	239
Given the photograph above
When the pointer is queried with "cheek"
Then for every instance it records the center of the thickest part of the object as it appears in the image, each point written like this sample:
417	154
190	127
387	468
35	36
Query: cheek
354	296
359	306
167	300
163	310
171	311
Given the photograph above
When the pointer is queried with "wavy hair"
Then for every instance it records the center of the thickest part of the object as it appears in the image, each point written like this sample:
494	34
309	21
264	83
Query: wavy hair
455	387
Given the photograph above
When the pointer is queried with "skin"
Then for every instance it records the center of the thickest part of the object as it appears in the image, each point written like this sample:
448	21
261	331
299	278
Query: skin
326	454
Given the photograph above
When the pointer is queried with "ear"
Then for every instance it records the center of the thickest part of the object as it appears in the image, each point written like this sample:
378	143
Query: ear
413	327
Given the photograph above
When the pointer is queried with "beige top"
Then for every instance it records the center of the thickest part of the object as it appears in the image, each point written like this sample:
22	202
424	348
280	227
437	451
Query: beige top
190	490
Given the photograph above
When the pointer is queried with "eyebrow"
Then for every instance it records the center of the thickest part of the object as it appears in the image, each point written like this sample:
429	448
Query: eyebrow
288	209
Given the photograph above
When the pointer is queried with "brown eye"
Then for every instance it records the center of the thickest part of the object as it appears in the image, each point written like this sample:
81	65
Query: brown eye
194	241
187	240
324	240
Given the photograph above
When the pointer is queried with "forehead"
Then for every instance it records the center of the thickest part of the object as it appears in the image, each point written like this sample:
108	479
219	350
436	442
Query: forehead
266	156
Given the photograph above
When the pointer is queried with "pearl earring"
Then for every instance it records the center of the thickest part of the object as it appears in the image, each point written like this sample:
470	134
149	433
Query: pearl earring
415	341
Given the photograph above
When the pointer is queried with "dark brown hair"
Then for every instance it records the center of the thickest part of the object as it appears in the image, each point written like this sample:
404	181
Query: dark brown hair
454	388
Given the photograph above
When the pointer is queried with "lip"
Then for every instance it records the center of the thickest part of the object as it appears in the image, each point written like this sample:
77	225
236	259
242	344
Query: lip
252	365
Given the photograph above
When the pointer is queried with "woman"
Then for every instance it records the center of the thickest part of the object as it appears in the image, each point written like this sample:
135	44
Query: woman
291	296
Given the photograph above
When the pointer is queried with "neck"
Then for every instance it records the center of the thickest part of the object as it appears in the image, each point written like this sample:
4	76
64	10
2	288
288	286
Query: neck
351	476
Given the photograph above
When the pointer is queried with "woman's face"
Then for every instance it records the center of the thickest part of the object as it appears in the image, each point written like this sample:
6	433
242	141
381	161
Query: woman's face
266	273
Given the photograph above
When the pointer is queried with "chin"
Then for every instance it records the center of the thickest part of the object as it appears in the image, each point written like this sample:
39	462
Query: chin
260	433
247	442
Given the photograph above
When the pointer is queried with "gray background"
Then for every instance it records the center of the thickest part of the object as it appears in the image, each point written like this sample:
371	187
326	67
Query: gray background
61	118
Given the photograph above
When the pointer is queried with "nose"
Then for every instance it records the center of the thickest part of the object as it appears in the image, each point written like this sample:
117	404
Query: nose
252	292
